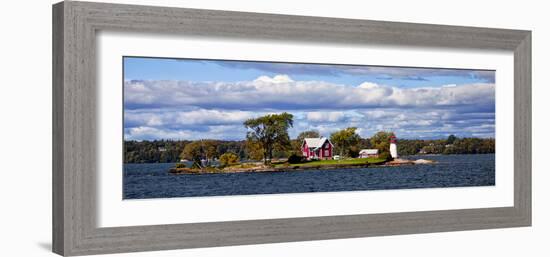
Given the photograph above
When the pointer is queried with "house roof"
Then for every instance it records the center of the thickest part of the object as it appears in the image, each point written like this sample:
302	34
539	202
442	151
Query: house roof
316	142
368	151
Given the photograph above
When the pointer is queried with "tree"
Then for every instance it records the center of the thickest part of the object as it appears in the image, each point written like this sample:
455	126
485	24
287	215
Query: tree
167	151
308	134
192	151
254	150
271	132
152	151
228	158
451	139
296	147
345	139
381	141
200	149
296	144
210	149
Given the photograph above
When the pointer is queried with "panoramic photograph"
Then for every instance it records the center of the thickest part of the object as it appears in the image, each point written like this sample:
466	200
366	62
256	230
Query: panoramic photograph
198	127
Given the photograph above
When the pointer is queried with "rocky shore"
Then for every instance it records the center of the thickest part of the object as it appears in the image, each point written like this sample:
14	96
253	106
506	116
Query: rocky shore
398	162
265	168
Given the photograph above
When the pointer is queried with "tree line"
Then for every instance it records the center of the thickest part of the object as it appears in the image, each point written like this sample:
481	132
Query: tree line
167	151
267	139
451	145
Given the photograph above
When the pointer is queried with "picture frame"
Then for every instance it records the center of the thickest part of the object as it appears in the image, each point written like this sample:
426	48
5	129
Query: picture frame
75	24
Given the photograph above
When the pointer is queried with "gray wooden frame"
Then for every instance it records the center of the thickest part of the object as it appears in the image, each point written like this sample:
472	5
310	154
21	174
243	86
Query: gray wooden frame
75	25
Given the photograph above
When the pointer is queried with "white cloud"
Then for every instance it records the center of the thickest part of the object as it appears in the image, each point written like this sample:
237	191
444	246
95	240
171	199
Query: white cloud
160	117
217	110
220	132
275	80
368	85
325	116
142	133
281	92
409	123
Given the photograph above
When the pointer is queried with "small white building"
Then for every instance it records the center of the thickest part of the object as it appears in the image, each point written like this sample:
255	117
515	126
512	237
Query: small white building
366	153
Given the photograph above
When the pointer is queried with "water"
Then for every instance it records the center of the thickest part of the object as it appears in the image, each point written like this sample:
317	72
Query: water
143	181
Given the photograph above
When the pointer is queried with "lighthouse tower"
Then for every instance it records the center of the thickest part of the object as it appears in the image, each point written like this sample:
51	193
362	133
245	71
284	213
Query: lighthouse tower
393	147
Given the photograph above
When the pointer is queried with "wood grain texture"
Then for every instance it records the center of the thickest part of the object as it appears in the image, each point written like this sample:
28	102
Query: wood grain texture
522	129
58	217
75	25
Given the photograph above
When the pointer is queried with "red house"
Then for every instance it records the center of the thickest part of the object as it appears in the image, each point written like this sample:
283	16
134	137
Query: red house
317	148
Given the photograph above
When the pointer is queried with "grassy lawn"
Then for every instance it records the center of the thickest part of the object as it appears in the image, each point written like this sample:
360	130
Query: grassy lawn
336	162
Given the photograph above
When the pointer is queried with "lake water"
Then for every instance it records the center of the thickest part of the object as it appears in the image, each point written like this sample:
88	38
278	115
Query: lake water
143	181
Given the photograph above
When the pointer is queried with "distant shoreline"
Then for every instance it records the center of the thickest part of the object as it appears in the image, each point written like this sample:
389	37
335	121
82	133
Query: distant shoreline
405	156
165	151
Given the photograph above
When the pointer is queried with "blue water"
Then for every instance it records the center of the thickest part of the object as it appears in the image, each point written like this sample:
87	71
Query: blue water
142	181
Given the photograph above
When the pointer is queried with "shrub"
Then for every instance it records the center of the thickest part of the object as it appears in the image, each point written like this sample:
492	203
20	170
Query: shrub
386	156
354	152
294	158
228	158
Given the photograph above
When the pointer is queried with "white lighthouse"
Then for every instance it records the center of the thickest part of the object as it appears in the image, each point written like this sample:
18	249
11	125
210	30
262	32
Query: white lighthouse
393	147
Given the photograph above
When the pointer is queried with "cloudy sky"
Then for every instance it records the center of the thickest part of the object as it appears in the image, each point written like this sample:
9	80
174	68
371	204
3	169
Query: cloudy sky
206	99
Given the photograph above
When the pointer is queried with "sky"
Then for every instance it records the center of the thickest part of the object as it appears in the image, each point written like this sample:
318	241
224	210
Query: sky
186	99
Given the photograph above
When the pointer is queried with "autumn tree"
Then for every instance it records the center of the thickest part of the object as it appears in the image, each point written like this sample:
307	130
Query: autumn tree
192	151
254	150
270	131
344	139
228	158
200	149
210	148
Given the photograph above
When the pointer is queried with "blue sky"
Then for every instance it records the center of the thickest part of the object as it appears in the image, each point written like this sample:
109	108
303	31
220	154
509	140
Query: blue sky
234	71
193	99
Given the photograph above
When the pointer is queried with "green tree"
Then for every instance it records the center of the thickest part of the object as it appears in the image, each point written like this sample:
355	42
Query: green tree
308	134
344	139
297	143
451	139
165	151
271	132
296	147
381	141
228	158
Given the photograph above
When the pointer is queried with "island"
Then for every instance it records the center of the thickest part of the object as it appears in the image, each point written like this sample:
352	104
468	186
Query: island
267	147
310	165
282	166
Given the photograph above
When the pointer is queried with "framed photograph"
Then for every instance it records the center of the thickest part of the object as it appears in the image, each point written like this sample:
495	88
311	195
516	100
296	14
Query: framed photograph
182	128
